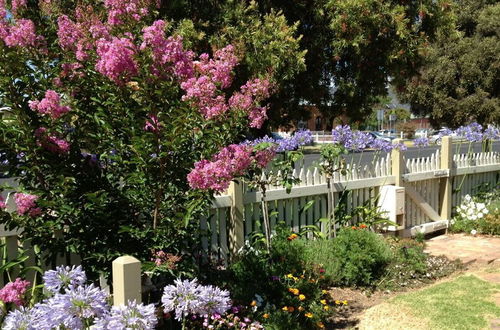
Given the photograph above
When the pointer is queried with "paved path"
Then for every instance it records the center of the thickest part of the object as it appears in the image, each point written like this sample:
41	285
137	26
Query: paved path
482	250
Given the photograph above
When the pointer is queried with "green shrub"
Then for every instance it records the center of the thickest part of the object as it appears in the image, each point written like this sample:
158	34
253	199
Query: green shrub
357	257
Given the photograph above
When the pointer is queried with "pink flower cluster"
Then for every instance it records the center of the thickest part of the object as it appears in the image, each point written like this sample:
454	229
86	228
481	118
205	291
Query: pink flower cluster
252	93
26	204
13	292
116	59
169	55
21	34
79	37
232	161
50	105
203	90
2	203
51	142
119	10
18	4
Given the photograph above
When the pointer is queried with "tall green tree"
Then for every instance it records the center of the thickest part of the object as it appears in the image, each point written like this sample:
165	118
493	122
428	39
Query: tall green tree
461	79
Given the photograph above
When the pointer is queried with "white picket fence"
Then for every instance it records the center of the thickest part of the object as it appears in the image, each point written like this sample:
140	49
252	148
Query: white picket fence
237	214
360	185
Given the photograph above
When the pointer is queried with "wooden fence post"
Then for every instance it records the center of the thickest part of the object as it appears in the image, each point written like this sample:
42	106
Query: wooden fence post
126	280
445	186
397	165
236	229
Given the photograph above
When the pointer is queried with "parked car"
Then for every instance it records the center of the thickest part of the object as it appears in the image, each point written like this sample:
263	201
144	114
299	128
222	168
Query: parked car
378	135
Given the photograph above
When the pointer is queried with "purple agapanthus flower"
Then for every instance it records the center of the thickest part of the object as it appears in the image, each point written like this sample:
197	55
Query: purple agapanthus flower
381	145
130	316
421	142
359	141
63	278
190	298
303	137
22	318
491	133
399	146
471	132
342	134
216	300
72	308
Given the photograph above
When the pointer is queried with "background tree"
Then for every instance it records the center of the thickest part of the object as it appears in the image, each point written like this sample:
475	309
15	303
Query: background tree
461	79
352	46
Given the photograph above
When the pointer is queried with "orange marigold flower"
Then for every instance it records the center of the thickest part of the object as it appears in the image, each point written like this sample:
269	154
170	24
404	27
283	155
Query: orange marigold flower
292	237
363	226
308	315
291	309
294	291
353	227
300	308
320	325
253	303
302	297
266	316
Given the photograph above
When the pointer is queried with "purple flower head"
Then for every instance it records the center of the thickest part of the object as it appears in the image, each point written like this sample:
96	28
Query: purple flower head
130	316
22	319
421	142
492	133
76	305
399	146
359	141
253	143
188	298
445	132
341	134
215	300
471	132
64	278
381	145
303	137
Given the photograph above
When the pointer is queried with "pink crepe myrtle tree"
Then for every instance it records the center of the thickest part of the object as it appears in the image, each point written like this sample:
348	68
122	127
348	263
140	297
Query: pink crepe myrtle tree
109	111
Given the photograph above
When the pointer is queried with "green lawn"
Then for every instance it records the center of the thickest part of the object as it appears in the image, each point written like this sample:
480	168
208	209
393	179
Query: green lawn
463	303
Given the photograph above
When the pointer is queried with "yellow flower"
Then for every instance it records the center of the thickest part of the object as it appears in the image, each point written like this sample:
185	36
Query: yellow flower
324	291
323	301
302	297
253	303
308	315
326	307
345	302
320	325
266	316
289	276
294	291
285	308
337	302
295	279
300	308
292	237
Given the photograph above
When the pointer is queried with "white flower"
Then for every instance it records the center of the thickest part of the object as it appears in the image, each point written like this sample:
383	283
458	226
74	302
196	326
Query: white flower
473	232
467	198
479	215
474	217
486	211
